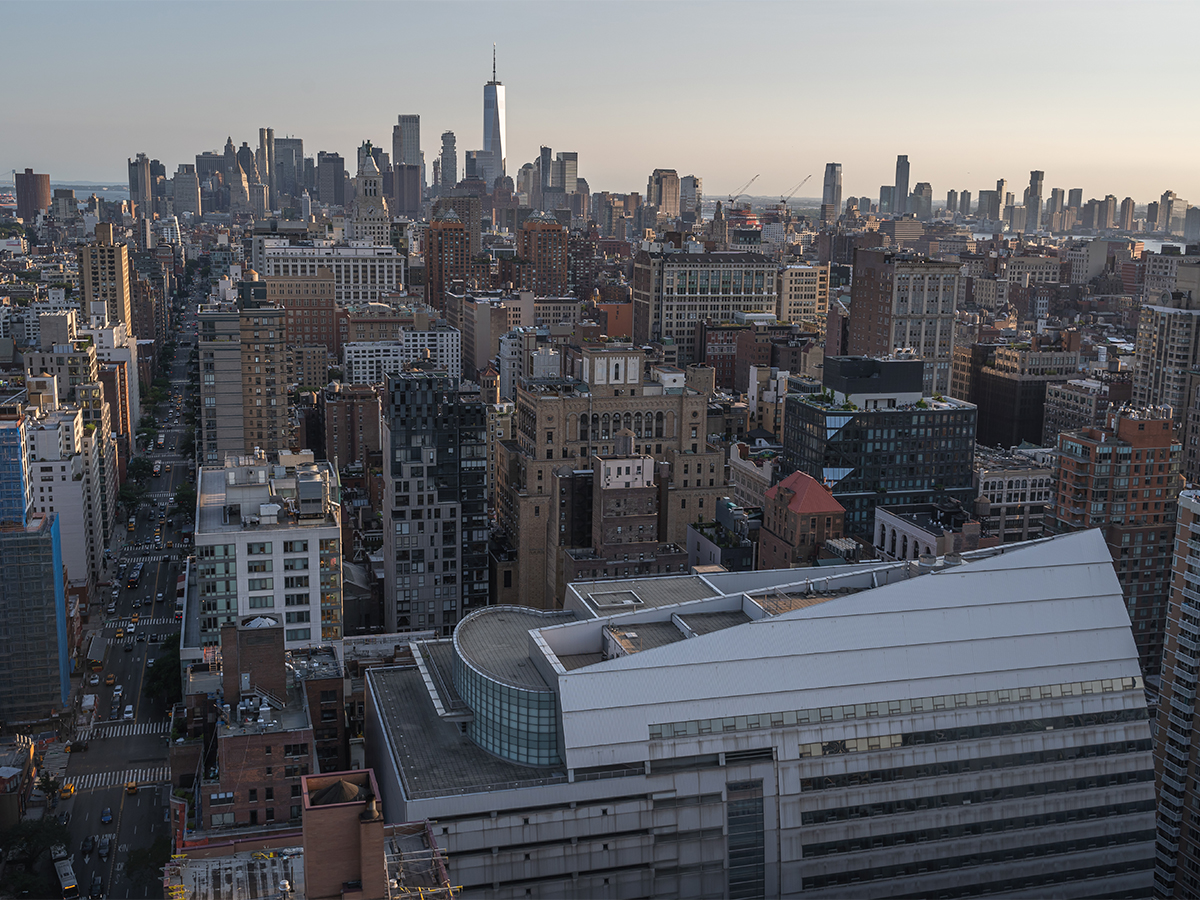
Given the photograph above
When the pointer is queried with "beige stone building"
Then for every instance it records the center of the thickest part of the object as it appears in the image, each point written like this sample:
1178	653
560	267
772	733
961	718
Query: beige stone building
566	421
803	293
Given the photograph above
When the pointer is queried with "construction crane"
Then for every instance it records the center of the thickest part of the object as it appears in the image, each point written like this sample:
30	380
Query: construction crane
783	200
741	190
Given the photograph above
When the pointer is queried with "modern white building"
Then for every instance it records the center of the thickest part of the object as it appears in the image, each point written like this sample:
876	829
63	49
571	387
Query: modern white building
974	727
370	362
268	544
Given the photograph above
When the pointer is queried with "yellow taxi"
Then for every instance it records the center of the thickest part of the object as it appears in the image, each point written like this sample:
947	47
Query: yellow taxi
134	618
67	790
131	787
110	679
120	633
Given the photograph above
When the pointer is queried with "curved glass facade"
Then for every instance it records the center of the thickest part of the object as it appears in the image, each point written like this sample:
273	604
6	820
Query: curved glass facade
519	724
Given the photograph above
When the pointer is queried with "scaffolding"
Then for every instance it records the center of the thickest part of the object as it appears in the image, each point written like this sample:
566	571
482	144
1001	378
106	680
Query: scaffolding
416	867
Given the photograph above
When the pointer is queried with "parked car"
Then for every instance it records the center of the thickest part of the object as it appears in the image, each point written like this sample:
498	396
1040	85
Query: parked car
64	819
97	891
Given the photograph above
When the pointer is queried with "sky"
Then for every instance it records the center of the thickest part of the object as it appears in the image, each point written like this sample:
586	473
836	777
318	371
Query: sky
1091	93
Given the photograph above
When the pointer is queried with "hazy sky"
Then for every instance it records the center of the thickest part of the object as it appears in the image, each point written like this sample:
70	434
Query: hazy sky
1094	94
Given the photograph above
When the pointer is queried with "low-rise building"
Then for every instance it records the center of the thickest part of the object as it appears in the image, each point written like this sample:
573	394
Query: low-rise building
928	529
799	515
370	362
1013	491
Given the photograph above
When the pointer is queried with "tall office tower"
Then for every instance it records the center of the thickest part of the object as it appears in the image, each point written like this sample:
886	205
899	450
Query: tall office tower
902	301
545	166
921	202
266	163
1177	737
331	179
831	194
141	191
573	418
1125	217
435	501
288	160
900	190
494	140
951	202
278	514
964	202
1075	198
543	244
1136	453
406	140
105	276
33	194
449	158
662	191
1057	202
821	437
1033	201
35	677
186	190
886	194
262	335
209	164
564	174
369	218
691	196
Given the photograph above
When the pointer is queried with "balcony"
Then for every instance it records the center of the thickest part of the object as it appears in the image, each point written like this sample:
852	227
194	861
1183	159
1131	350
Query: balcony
1169	780
1178	771
1184	706
1184	725
1169	814
1183	691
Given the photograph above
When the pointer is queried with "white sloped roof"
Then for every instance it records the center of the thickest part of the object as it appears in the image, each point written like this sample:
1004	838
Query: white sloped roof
1045	614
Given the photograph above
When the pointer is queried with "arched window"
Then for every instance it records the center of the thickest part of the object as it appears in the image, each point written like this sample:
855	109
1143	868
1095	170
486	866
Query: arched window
658	424
583	427
629	421
904	546
637	424
604	426
616	371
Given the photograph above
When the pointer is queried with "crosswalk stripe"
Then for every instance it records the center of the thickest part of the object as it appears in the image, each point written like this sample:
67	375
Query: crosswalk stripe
152	775
115	729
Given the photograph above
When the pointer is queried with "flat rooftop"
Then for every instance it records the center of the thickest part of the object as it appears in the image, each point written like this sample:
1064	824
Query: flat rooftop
265	497
605	598
495	640
433	755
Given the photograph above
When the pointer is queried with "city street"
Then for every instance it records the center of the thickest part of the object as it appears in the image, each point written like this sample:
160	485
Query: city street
133	749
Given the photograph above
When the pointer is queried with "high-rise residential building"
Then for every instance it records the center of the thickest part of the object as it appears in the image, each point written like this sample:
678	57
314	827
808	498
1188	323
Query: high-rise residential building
495	142
1124	479
569	419
435	501
117	349
674	292
33	194
901	301
447	256
105	275
221	432
351	421
311	305
268	543
900	189
369	218
662	192
290	176
887	702
1081	403
331	178
186	191
1176	736
262	336
370	362
542	244
951	202
266	164
1057	202
964	202
1033	200
449	158
831	194
1075	198
1168	342
1125	217
802	292
876	438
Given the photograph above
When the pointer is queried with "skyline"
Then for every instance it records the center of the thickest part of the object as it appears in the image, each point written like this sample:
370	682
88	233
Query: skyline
960	130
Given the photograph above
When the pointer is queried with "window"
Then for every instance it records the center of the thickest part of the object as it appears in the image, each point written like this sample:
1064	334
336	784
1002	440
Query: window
253	795
265	601
291	565
294	618
295	546
260	584
295	749
298	634
295	581
220	799
296	599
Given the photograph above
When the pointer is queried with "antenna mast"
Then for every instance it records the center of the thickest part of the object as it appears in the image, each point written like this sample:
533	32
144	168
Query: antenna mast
493	62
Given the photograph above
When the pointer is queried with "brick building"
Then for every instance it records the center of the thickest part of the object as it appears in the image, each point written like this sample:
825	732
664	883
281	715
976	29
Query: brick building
799	515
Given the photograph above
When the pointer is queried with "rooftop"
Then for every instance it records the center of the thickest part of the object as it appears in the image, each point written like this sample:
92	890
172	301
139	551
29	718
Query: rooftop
244	875
495	640
809	496
251	493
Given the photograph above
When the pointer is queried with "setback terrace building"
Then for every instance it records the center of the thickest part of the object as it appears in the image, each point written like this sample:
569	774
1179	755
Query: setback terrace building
973	726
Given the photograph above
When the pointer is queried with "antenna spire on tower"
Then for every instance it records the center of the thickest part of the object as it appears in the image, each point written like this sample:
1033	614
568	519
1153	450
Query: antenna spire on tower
493	61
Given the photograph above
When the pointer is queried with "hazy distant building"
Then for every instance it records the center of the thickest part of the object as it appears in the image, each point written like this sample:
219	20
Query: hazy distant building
900	191
831	194
331	179
104	275
662	191
1033	200
33	194
186	187
449	157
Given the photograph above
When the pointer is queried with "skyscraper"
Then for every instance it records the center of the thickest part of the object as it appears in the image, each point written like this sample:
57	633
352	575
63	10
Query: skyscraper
1033	200
406	141
662	191
1075	197
105	275
33	194
900	191
186	190
494	140
449	160
141	194
331	178
831	194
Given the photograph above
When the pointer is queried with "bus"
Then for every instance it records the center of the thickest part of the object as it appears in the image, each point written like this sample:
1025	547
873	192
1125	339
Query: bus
135	577
131	525
157	467
65	872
